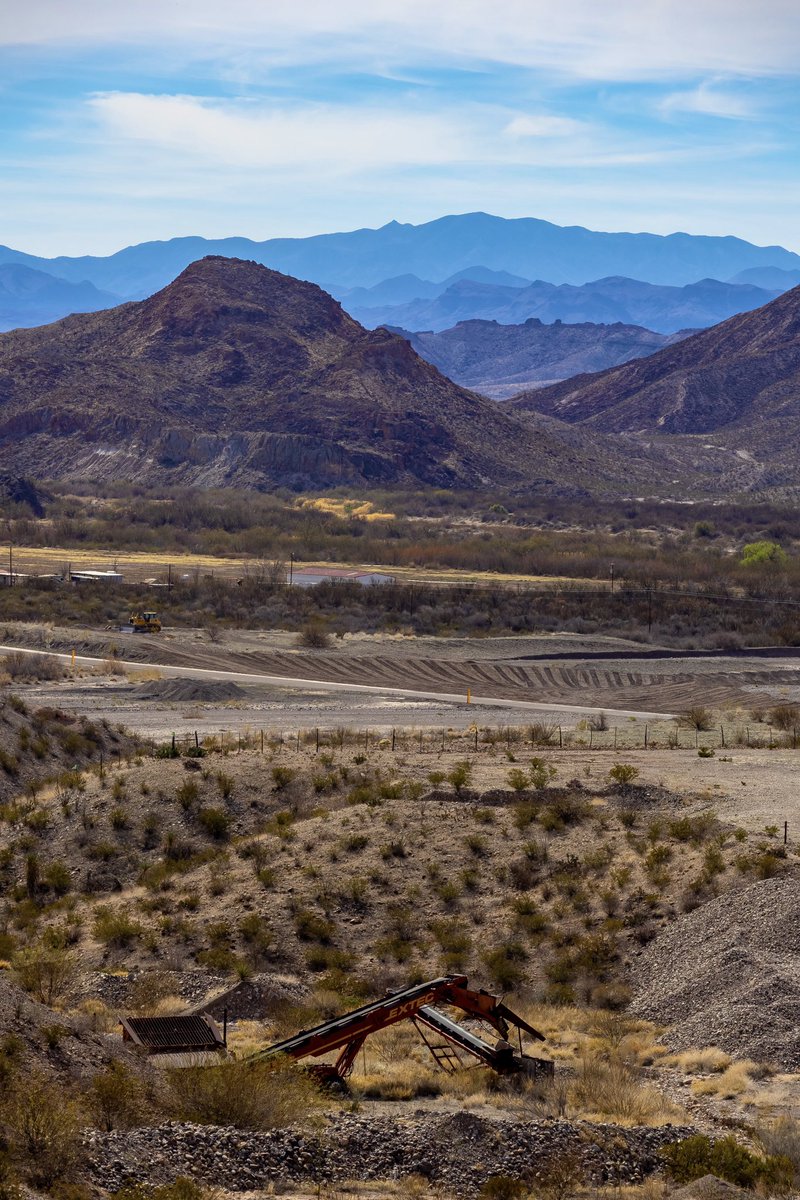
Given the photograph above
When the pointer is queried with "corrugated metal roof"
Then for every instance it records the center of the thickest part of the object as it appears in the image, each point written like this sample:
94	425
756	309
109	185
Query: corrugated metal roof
173	1034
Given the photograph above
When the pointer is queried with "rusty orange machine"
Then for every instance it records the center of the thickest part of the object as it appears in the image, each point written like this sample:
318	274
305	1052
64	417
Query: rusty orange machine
443	1036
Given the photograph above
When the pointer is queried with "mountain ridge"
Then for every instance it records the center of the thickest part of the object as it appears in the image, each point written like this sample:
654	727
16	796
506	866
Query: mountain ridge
610	300
524	246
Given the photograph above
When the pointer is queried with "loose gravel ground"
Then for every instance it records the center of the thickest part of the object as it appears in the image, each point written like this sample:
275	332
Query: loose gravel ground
728	974
459	1152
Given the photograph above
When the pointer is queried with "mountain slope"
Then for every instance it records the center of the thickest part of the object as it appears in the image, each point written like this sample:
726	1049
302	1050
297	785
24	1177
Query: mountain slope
739	380
438	249
29	297
498	360
603	301
235	374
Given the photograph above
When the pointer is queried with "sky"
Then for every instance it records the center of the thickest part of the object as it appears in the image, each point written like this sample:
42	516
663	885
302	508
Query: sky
122	122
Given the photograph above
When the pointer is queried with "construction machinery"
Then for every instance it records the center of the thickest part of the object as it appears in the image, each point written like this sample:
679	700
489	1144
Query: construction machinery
443	1036
145	622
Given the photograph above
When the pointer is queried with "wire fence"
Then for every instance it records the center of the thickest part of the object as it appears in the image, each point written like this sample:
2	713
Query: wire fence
474	740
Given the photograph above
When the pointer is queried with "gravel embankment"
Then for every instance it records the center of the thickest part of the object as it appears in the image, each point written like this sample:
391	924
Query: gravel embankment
459	1152
728	974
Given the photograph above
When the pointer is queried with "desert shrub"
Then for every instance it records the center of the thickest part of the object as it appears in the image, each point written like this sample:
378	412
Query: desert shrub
517	780
611	1089
282	777
115	927
187	794
57	877
623	774
692	829
311	927
19	665
543	733
226	784
42	1128
781	1139
215	822
181	1189
266	1095
697	717
505	964
541	773
455	942
696	1156
785	716
460	775
598	722
167	750
46	972
763	553
117	1098
502	1187
314	636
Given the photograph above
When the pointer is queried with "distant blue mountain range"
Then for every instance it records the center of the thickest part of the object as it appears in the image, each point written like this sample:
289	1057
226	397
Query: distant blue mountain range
396	264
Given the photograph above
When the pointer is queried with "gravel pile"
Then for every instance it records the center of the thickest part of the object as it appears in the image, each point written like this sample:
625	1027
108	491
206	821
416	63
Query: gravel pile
191	690
458	1152
728	974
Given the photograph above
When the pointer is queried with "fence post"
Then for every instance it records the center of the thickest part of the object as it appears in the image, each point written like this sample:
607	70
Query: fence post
560	739
722	735
317	750
476	737
262	741
392	739
645	737
590	737
615	737
785	832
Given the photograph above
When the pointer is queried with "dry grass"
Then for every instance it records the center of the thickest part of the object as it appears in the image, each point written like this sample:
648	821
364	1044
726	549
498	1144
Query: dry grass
734	1081
706	1061
363	510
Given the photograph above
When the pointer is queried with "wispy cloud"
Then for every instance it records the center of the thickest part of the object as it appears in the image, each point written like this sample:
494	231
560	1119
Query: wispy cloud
620	39
709	99
246	134
544	126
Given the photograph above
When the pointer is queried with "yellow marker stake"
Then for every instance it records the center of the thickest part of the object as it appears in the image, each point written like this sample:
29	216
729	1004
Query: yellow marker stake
469	696
73	660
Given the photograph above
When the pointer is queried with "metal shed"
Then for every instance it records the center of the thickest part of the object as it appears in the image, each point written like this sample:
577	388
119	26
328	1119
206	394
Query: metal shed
184	1040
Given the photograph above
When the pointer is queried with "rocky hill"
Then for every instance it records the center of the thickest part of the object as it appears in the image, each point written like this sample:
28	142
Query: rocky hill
235	374
498	360
738	384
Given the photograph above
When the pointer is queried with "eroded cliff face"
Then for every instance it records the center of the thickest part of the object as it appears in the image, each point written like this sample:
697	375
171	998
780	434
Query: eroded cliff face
235	374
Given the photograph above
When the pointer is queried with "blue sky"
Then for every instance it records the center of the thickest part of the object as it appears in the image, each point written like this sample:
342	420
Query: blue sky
121	123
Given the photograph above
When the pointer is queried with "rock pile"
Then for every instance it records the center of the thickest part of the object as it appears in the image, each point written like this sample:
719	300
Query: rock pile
728	974
458	1152
209	691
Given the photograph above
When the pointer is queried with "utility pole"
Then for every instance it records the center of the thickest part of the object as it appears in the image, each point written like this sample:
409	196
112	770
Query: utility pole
10	555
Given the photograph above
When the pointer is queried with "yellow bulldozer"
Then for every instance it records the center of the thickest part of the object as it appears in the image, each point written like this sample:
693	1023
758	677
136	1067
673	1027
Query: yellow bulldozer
145	622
